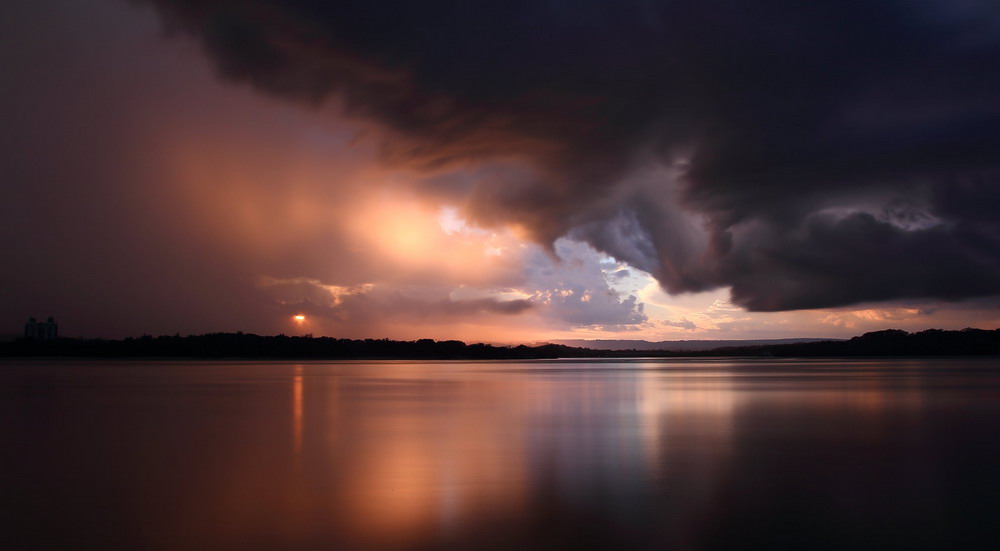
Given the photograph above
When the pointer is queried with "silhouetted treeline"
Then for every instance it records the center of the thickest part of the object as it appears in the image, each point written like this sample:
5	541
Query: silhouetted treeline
246	345
892	342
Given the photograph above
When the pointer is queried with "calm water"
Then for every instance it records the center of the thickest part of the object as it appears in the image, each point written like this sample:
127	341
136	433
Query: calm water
500	455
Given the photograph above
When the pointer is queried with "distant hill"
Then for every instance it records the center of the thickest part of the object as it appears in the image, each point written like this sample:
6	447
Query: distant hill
680	346
890	342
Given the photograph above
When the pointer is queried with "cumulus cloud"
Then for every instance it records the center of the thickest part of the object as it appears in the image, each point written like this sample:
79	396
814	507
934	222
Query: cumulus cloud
575	288
683	323
569	290
745	121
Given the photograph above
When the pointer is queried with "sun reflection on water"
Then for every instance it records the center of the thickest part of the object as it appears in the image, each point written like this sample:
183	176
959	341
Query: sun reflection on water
455	455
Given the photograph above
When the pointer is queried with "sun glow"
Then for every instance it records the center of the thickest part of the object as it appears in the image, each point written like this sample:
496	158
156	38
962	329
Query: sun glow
299	318
414	236
403	231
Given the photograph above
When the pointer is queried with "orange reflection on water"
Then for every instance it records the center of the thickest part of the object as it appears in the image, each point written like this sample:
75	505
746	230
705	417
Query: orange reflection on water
425	455
398	454
504	455
297	409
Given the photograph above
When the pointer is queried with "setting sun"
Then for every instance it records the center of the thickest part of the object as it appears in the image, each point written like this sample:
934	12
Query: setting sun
299	318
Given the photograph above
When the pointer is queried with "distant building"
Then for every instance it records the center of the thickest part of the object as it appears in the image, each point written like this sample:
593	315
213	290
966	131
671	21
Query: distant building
41	331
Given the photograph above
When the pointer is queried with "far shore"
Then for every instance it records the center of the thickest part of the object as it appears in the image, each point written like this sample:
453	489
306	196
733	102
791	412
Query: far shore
245	346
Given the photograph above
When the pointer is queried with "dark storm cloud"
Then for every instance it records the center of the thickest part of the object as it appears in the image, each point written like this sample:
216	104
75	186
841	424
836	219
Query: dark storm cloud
829	152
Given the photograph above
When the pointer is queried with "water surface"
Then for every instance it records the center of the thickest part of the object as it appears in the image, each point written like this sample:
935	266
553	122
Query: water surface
634	454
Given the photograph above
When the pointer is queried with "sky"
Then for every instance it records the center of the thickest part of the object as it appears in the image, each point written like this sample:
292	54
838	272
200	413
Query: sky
500	172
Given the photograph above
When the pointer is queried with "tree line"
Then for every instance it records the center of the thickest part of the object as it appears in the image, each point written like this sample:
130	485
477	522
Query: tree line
891	342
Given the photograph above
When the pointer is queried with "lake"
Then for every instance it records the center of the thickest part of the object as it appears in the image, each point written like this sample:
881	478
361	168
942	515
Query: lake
603	454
